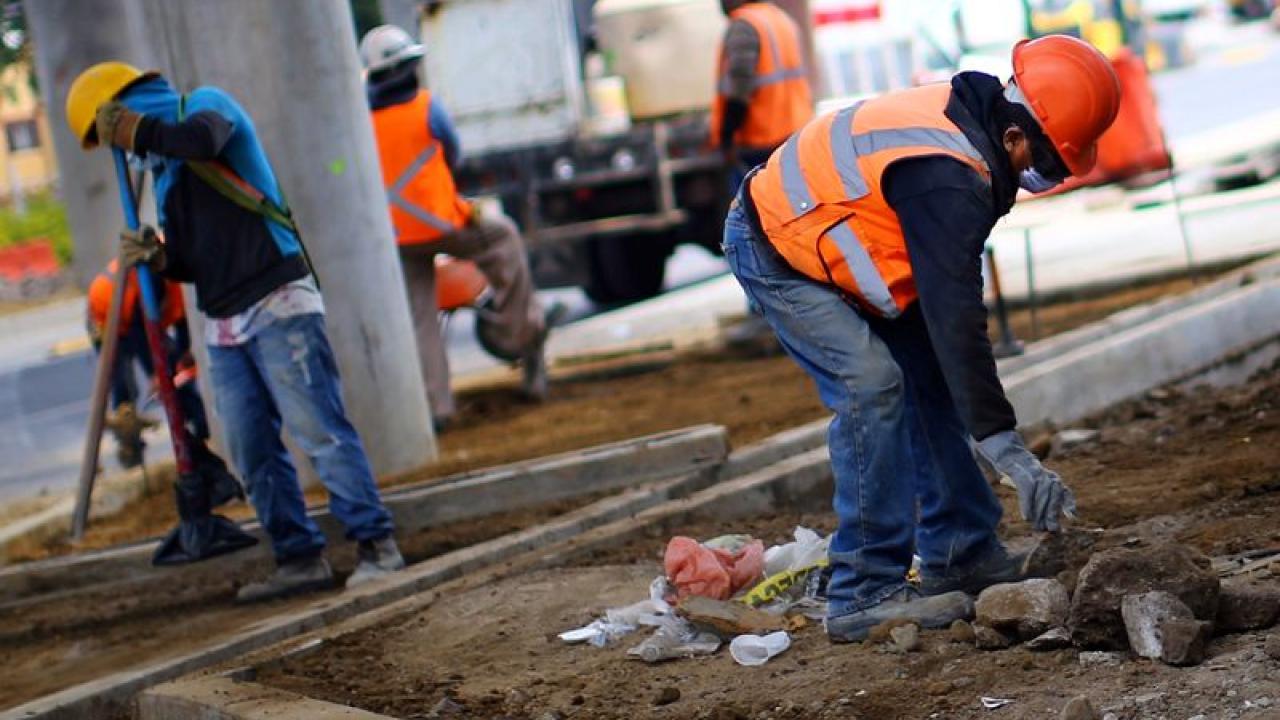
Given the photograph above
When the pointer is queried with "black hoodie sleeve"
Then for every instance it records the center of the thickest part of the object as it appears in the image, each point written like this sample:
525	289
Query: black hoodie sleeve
945	209
200	137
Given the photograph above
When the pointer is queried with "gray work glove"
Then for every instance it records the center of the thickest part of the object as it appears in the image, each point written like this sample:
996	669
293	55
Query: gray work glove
141	246
1041	494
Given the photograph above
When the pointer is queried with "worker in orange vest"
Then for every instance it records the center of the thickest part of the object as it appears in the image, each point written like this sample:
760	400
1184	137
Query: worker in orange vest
419	150
762	91
861	241
125	423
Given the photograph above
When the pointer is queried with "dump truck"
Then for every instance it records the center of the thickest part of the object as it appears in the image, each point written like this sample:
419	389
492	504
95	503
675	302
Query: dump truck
588	121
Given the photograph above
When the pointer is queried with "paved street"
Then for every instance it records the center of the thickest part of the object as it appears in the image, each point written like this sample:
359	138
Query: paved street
43	402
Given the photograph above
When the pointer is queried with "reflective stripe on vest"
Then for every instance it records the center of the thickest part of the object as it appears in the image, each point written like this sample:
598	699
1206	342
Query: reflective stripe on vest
781	101
780	73
857	220
423	198
395	193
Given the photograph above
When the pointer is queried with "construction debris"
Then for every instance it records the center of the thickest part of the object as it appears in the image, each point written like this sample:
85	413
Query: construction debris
1095	620
1162	627
1244	607
1024	610
729	618
1053	639
753	650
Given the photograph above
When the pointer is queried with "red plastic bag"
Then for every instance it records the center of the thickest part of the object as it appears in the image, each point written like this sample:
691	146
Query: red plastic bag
717	573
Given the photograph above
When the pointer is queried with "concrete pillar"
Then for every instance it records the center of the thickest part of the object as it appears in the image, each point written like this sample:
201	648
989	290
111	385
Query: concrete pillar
69	36
293	65
405	14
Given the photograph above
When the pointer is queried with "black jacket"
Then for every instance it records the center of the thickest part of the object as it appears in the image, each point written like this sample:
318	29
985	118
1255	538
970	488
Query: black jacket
947	211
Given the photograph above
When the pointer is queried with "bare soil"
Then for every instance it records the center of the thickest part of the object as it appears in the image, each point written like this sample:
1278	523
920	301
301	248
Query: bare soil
53	642
1198	467
752	397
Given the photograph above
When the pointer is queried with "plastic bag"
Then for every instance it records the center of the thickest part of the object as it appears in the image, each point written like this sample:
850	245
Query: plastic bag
712	570
807	551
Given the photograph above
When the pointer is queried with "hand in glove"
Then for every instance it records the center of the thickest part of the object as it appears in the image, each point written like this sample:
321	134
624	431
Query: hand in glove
1041	494
116	124
141	246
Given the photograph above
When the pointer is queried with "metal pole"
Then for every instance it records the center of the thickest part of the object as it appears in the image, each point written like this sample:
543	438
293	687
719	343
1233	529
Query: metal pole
1008	345
294	68
1033	303
69	36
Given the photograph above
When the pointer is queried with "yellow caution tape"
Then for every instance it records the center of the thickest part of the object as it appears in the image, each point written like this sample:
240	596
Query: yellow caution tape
775	585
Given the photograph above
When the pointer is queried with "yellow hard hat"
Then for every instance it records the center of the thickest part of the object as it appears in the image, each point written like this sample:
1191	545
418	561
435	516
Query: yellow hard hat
95	86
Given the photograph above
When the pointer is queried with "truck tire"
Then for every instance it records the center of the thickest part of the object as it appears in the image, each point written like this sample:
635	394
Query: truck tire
626	268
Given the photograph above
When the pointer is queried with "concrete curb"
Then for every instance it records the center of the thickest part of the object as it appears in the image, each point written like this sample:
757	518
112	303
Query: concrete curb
222	698
468	495
1164	349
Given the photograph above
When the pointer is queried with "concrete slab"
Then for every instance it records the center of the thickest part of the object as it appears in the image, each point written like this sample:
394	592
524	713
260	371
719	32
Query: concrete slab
601	468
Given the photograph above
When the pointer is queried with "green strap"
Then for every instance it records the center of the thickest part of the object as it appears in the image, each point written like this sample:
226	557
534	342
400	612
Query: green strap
230	185
236	189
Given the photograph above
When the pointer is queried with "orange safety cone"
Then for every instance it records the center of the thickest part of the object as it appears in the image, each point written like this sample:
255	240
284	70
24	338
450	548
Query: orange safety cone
1134	144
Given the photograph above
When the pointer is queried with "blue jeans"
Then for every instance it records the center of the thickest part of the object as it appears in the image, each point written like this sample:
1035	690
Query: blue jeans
286	373
905	478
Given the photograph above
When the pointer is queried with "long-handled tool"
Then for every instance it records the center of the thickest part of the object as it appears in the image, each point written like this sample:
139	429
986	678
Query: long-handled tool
202	476
98	405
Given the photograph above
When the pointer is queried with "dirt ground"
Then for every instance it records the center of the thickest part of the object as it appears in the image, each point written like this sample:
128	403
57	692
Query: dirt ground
751	397
53	642
1199	467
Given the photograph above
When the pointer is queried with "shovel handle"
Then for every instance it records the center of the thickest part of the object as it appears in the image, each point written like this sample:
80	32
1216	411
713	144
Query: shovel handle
151	321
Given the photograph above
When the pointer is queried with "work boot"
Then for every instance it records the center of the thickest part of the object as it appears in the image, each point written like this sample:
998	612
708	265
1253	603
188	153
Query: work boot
294	577
533	363
127	426
937	611
991	568
375	559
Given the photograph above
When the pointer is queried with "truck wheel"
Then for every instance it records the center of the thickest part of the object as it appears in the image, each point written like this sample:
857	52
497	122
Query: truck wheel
626	268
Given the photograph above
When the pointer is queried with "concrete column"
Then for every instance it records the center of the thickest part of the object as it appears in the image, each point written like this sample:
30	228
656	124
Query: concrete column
69	36
293	65
405	14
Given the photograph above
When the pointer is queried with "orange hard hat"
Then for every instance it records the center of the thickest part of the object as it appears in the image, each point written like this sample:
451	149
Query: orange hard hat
1073	92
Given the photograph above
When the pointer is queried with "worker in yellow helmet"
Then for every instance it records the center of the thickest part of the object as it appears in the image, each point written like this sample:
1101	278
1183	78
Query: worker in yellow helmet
229	233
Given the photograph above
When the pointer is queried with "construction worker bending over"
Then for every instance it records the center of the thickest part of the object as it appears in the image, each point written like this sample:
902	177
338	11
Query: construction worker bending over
762	92
125	421
419	150
861	240
269	358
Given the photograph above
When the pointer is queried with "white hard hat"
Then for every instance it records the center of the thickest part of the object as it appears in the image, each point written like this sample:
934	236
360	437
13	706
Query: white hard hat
387	46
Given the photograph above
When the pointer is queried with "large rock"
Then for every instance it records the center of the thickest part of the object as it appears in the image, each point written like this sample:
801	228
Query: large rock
1245	607
1025	609
1144	615
1095	620
1185	641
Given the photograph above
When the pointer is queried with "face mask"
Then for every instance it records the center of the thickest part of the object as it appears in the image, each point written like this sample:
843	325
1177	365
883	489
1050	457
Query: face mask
1034	182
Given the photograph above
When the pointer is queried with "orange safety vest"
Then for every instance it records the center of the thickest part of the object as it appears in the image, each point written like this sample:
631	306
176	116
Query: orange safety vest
819	197
103	287
781	101
424	200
